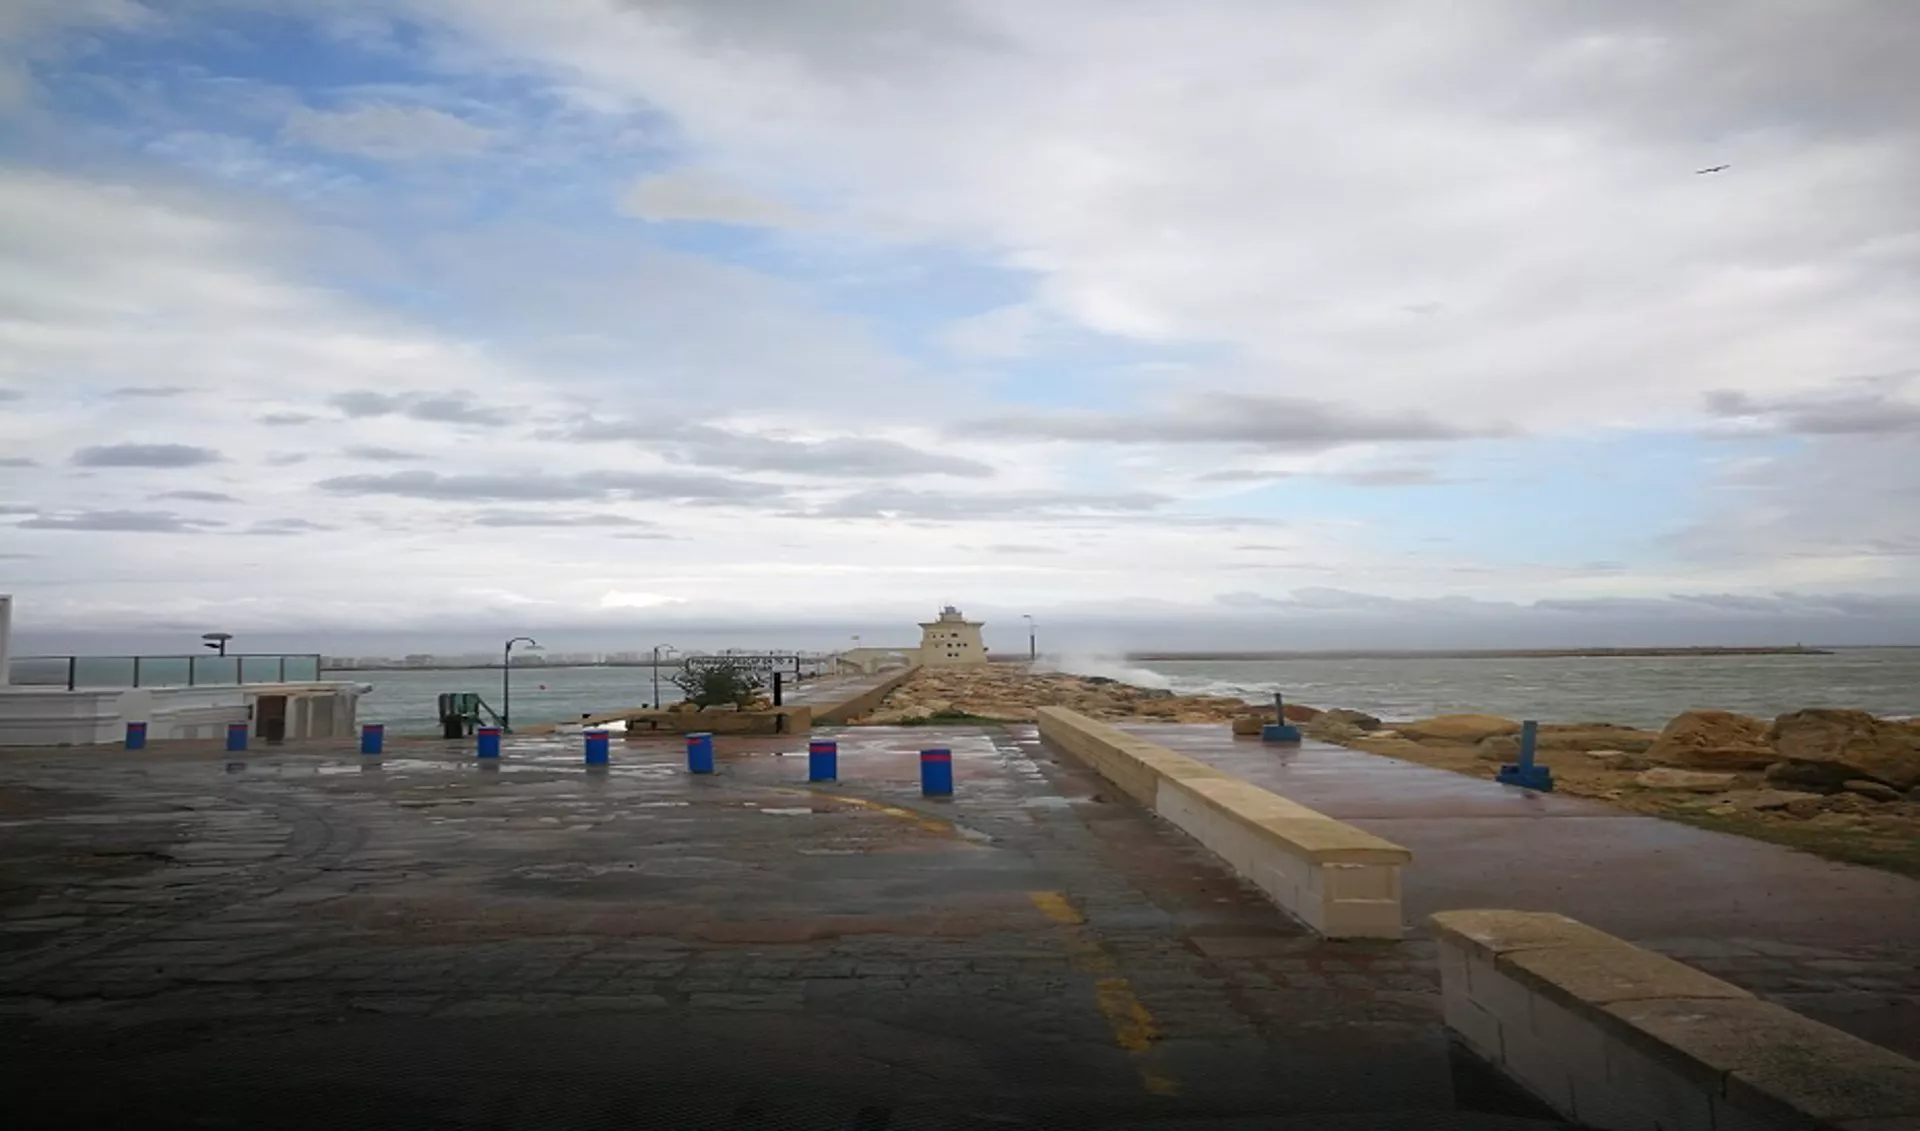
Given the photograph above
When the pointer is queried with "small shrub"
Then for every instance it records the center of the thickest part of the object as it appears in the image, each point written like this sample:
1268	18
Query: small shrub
712	683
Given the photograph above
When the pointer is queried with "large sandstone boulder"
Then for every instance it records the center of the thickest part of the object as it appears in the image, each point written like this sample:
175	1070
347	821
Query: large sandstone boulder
1766	800
1348	716
1693	781
1616	760
1595	736
1463	729
1714	740
1824	749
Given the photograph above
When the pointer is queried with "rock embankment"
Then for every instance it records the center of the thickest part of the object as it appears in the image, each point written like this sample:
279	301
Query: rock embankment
1831	770
1009	693
1838	771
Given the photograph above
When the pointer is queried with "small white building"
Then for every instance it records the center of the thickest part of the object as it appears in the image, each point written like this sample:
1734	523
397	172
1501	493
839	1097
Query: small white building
177	697
951	641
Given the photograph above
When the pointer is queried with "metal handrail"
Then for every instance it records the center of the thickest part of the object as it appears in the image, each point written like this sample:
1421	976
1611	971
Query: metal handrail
193	661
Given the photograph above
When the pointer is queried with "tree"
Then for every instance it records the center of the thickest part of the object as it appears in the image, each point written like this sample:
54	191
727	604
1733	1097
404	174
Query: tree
711	682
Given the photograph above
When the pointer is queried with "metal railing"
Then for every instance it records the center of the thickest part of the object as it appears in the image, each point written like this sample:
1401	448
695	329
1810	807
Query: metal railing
84	672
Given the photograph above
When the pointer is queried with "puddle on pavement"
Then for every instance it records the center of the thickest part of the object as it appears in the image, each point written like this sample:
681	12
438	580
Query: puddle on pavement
795	811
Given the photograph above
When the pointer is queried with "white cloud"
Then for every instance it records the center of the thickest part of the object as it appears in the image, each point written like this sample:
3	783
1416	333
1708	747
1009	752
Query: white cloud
387	132
1003	332
1288	179
684	194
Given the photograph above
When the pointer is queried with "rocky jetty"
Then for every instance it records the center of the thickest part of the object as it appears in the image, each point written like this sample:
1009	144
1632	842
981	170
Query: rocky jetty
1010	693
1845	779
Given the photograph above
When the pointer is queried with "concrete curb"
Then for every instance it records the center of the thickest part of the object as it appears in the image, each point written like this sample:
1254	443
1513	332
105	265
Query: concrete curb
861	702
1342	881
1611	1035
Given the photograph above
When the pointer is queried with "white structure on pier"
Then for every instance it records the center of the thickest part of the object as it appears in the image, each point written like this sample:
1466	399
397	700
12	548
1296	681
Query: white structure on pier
95	712
951	640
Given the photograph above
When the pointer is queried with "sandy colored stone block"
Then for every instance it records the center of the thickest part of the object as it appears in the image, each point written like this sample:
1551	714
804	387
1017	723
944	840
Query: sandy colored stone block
1499	932
1777	1064
1615	972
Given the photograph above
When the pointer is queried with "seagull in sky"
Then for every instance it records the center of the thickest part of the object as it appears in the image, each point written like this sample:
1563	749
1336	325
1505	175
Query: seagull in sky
1709	169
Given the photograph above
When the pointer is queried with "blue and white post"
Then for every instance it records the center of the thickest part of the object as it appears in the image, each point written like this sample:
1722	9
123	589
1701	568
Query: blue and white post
236	737
823	760
373	739
1280	730
700	753
486	742
136	736
936	773
1525	773
597	748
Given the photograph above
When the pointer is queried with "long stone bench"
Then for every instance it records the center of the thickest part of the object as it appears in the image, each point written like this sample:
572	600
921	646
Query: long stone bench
1616	1037
1341	881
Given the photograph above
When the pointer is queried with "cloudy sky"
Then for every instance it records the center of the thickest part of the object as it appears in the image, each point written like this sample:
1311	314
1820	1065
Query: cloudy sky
1292	324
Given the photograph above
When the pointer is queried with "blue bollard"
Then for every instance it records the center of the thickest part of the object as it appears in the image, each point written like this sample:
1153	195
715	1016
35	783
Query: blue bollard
236	736
136	736
700	753
823	760
1279	730
597	751
487	742
1525	773
936	773
373	739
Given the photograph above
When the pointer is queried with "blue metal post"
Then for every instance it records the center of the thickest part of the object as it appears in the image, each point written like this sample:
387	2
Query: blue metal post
373	739
936	773
823	760
236	736
1526	773
700	753
1280	730
136	736
597	750
487	742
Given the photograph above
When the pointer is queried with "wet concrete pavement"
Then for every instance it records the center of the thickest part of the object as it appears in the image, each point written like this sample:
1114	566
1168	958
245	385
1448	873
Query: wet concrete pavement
300	937
1837	942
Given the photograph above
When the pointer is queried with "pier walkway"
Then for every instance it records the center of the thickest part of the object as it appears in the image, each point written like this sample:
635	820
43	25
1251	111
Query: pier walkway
1837	942
299	937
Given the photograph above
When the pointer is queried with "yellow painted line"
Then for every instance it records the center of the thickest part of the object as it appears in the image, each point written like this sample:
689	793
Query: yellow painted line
928	824
1133	1027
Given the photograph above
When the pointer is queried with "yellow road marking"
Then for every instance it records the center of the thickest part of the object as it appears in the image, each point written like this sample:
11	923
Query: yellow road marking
1133	1027
926	823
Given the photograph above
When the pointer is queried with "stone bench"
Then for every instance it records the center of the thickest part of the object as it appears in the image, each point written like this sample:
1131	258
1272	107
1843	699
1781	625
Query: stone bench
1616	1037
1342	881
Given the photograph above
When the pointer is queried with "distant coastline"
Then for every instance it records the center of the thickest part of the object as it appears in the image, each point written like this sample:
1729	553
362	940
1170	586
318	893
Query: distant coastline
1485	654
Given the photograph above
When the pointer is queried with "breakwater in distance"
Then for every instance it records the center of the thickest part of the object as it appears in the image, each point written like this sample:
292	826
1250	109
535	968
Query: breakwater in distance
1486	653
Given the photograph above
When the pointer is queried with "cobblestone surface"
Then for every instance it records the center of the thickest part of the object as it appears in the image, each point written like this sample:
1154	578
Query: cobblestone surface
297	936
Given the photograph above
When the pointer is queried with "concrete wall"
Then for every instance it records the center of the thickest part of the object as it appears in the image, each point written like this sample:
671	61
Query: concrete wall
874	660
782	720
54	716
839	712
1341	881
1616	1037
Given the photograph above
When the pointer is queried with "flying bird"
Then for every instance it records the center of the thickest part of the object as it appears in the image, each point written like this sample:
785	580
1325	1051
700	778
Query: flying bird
1710	169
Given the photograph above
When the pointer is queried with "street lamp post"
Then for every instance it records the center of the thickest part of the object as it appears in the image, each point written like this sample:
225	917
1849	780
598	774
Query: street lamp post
656	671
217	641
1033	648
506	679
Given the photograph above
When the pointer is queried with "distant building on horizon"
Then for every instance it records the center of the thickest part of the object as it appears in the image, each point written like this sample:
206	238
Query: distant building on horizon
951	640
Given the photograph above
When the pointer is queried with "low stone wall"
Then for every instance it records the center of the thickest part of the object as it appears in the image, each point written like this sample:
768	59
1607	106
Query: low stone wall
861	703
781	720
1341	881
1614	1036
